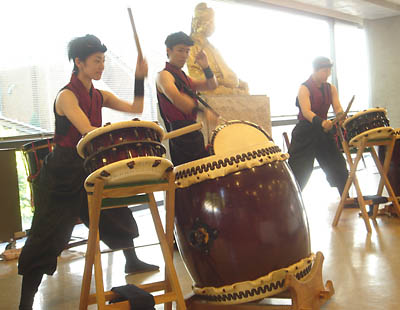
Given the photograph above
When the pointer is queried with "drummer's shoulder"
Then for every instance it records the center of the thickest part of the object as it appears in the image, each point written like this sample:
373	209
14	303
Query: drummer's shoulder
66	95
303	90
165	74
164	77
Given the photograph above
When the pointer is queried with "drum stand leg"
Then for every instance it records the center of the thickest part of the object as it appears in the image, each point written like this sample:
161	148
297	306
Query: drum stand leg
170	285
352	178
384	181
307	294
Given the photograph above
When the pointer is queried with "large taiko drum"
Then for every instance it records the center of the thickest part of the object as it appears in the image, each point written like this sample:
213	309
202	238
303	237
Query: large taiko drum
372	124
34	153
128	151
240	222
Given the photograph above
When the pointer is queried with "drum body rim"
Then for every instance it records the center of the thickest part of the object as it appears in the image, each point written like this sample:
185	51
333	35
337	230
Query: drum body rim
159	164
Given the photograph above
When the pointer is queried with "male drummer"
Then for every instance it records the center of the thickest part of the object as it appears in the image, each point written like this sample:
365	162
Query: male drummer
60	197
176	100
311	138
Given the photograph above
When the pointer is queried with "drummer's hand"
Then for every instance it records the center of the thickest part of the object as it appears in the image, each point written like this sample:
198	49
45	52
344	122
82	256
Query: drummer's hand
201	59
340	117
141	68
327	124
211	118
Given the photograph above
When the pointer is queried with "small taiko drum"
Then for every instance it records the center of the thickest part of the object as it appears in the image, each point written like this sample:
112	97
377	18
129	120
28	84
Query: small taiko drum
241	226
128	151
34	153
372	124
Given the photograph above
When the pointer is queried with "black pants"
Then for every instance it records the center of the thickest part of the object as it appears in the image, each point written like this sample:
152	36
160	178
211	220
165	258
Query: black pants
309	143
188	147
60	199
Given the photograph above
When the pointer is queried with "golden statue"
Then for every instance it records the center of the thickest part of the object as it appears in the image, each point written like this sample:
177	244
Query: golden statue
203	27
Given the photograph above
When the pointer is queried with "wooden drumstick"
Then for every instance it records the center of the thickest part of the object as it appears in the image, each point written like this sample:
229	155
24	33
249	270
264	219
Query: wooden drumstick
182	131
140	55
337	119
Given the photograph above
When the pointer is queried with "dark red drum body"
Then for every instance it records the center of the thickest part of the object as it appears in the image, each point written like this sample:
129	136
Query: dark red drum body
34	153
370	123
120	152
129	151
124	140
121	136
241	224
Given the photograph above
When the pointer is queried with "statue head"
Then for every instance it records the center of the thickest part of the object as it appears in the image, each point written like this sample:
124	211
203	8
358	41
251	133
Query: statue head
203	20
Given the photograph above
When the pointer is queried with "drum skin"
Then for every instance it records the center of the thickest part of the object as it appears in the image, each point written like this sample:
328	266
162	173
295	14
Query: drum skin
241	226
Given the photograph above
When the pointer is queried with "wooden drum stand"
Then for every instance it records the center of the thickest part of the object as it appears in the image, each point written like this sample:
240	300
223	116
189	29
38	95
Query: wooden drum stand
105	197
362	145
307	294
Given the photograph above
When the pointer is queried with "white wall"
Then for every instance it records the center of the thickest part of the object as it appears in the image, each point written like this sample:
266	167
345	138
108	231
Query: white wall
383	37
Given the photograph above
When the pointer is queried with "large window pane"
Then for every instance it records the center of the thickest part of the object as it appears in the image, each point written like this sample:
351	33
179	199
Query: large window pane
352	66
270	49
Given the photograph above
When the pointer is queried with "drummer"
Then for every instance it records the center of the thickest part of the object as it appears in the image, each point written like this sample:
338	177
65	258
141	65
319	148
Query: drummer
312	137
60	197
177	103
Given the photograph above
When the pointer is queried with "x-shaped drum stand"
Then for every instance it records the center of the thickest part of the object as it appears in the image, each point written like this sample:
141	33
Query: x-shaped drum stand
362	145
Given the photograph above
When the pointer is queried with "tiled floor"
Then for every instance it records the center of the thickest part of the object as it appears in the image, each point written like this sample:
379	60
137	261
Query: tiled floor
365	268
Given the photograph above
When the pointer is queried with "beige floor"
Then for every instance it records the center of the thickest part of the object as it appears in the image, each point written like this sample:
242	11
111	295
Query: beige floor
365	268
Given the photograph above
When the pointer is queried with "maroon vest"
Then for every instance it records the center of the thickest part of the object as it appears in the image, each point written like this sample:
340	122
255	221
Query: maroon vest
320	99
168	110
66	134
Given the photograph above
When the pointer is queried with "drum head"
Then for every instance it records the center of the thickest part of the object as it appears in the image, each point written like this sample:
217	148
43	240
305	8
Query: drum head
130	170
112	127
361	113
237	135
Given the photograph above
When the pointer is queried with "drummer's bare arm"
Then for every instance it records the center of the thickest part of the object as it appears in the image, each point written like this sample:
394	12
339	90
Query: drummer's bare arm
166	84
305	106
210	81
67	105
113	102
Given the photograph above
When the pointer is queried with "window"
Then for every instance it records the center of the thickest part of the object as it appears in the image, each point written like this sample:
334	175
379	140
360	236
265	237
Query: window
352	66
270	49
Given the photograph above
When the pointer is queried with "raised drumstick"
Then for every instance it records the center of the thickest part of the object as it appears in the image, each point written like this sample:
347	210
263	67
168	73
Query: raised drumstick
182	131
140	55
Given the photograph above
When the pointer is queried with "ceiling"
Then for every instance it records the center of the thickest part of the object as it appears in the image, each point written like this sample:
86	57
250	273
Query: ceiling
351	10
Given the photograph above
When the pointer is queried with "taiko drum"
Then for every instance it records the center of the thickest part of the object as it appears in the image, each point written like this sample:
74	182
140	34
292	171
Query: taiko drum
240	221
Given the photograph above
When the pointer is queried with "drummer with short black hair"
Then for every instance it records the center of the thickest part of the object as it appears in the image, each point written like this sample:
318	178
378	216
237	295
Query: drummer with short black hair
312	137
58	191
178	106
